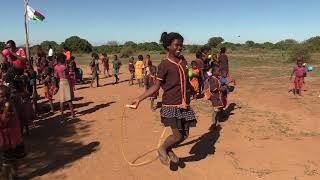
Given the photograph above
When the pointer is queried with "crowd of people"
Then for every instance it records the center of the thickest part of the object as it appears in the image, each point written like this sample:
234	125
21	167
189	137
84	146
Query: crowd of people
55	72
207	76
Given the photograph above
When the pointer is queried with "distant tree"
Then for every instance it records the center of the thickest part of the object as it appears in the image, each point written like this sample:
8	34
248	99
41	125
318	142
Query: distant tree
149	46
45	45
258	45
127	51
34	50
299	51
113	43
285	44
215	41
130	43
313	43
2	44
228	45
250	43
77	44
192	48
103	49
267	45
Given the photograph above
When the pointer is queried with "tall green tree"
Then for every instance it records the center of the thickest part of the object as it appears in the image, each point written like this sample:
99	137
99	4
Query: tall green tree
215	41
77	44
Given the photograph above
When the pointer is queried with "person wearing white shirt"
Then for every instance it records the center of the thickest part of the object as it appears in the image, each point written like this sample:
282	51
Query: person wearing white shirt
50	53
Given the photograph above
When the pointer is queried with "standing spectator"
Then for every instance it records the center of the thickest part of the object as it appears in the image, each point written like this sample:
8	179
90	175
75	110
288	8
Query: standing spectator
50	53
17	56
67	53
131	70
223	62
65	92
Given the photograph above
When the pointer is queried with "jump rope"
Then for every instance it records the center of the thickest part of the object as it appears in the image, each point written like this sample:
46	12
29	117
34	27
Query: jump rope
134	162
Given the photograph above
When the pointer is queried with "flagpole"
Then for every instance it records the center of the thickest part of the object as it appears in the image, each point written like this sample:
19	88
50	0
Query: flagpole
26	2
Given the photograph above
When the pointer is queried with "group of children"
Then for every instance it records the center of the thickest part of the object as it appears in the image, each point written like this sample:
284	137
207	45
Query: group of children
19	96
49	73
17	100
145	74
95	69
142	71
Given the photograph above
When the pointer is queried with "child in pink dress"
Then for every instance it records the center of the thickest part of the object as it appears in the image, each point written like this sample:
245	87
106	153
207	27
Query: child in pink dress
10	134
298	71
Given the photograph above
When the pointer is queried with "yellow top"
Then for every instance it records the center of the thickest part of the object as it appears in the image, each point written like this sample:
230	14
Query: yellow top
139	69
6	105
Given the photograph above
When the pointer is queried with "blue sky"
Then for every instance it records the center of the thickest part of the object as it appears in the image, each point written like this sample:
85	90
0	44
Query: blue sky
100	21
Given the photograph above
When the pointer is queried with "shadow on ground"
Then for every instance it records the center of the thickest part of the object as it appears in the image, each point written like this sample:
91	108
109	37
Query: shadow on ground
55	143
205	144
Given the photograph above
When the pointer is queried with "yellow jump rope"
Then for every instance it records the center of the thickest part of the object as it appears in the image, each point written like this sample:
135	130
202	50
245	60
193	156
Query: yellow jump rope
133	163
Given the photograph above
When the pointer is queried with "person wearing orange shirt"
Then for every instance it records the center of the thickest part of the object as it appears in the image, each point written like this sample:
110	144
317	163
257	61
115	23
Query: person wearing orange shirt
194	80
67	53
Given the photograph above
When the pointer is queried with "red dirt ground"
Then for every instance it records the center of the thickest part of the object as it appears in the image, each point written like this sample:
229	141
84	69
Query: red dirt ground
270	134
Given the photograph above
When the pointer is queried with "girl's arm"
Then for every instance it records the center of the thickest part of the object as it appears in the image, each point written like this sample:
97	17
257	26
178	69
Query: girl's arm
292	74
146	83
155	88
18	57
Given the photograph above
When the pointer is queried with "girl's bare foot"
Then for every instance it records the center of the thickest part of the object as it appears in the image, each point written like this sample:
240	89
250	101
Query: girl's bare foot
163	157
173	157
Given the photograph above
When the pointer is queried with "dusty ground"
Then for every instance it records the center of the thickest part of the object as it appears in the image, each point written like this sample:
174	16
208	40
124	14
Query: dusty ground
270	134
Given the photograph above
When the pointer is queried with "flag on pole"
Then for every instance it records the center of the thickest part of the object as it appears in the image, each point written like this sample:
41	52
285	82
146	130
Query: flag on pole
34	15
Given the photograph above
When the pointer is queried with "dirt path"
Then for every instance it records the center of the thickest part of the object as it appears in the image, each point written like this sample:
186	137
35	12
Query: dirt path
268	135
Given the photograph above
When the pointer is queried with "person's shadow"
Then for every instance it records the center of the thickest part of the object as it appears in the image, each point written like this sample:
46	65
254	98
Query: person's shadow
229	111
204	146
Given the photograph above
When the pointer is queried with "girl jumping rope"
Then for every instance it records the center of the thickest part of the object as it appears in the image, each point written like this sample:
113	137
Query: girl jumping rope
175	113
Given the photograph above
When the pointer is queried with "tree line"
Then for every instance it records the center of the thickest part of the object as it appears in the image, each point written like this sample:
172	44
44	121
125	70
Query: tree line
80	45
